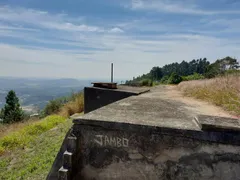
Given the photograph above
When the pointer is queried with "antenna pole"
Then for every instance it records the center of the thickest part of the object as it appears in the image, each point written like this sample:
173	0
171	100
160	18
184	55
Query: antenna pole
112	73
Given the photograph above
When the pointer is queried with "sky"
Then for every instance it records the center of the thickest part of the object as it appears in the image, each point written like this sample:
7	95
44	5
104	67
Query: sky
81	38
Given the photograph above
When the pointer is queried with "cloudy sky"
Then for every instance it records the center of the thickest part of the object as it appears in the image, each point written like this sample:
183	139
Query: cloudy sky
80	38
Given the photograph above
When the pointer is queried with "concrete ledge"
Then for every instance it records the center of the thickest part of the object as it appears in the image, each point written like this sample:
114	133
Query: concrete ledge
95	97
214	123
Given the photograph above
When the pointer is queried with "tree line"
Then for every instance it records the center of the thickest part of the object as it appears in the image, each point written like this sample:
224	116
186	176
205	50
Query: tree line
176	72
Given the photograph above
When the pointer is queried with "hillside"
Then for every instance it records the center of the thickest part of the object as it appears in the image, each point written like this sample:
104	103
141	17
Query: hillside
28	148
222	91
34	160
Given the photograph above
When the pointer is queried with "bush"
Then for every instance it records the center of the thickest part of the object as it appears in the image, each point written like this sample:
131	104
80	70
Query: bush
52	107
194	76
74	106
146	82
232	72
174	79
55	106
164	80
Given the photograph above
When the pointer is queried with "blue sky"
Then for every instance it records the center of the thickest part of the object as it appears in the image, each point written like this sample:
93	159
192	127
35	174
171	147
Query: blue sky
80	38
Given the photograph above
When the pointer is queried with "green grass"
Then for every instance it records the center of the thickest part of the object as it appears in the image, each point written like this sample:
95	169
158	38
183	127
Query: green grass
21	138
35	158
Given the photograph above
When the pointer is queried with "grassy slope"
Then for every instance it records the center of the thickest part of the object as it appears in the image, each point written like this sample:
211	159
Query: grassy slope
221	91
35	160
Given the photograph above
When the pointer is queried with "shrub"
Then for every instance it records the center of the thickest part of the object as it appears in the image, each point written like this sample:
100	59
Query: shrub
56	106
174	79
232	71
194	76
164	80
52	107
74	106
146	82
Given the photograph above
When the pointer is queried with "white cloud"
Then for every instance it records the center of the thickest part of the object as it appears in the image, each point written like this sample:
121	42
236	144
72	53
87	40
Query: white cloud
18	28
44	19
116	30
63	46
181	7
126	53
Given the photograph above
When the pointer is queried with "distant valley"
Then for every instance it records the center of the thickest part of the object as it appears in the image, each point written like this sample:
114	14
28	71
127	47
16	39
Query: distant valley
34	93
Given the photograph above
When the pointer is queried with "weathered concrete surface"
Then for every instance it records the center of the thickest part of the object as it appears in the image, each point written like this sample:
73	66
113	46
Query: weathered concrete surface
153	136
111	154
154	108
196	106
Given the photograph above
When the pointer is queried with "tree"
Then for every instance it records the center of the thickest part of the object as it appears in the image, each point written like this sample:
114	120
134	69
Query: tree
174	78
12	112
220	66
156	73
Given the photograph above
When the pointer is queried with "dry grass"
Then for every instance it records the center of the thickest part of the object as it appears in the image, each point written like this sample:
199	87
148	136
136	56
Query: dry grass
7	128
221	91
72	107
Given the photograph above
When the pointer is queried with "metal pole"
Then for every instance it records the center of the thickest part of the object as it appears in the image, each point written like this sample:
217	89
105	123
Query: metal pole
112	73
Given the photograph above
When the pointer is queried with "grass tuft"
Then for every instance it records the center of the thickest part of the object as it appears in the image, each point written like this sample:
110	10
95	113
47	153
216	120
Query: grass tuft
74	106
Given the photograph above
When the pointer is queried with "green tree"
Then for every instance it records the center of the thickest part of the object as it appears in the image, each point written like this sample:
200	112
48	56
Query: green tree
156	73
12	112
174	78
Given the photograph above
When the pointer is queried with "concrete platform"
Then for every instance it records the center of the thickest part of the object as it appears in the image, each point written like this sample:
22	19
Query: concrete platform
143	111
136	90
148	110
154	135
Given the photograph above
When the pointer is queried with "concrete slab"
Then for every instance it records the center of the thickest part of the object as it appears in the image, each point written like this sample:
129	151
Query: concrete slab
143	111
214	123
136	90
156	109
155	135
129	89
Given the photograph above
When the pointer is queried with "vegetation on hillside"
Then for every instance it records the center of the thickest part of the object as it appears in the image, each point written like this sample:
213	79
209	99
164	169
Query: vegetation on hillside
193	70
65	106
223	91
28	148
76	105
21	138
36	158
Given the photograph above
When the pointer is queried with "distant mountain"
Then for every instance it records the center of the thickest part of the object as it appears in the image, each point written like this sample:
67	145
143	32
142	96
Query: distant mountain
35	93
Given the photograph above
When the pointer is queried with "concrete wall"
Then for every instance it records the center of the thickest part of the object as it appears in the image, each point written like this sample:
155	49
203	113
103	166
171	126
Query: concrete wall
95	98
113	154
